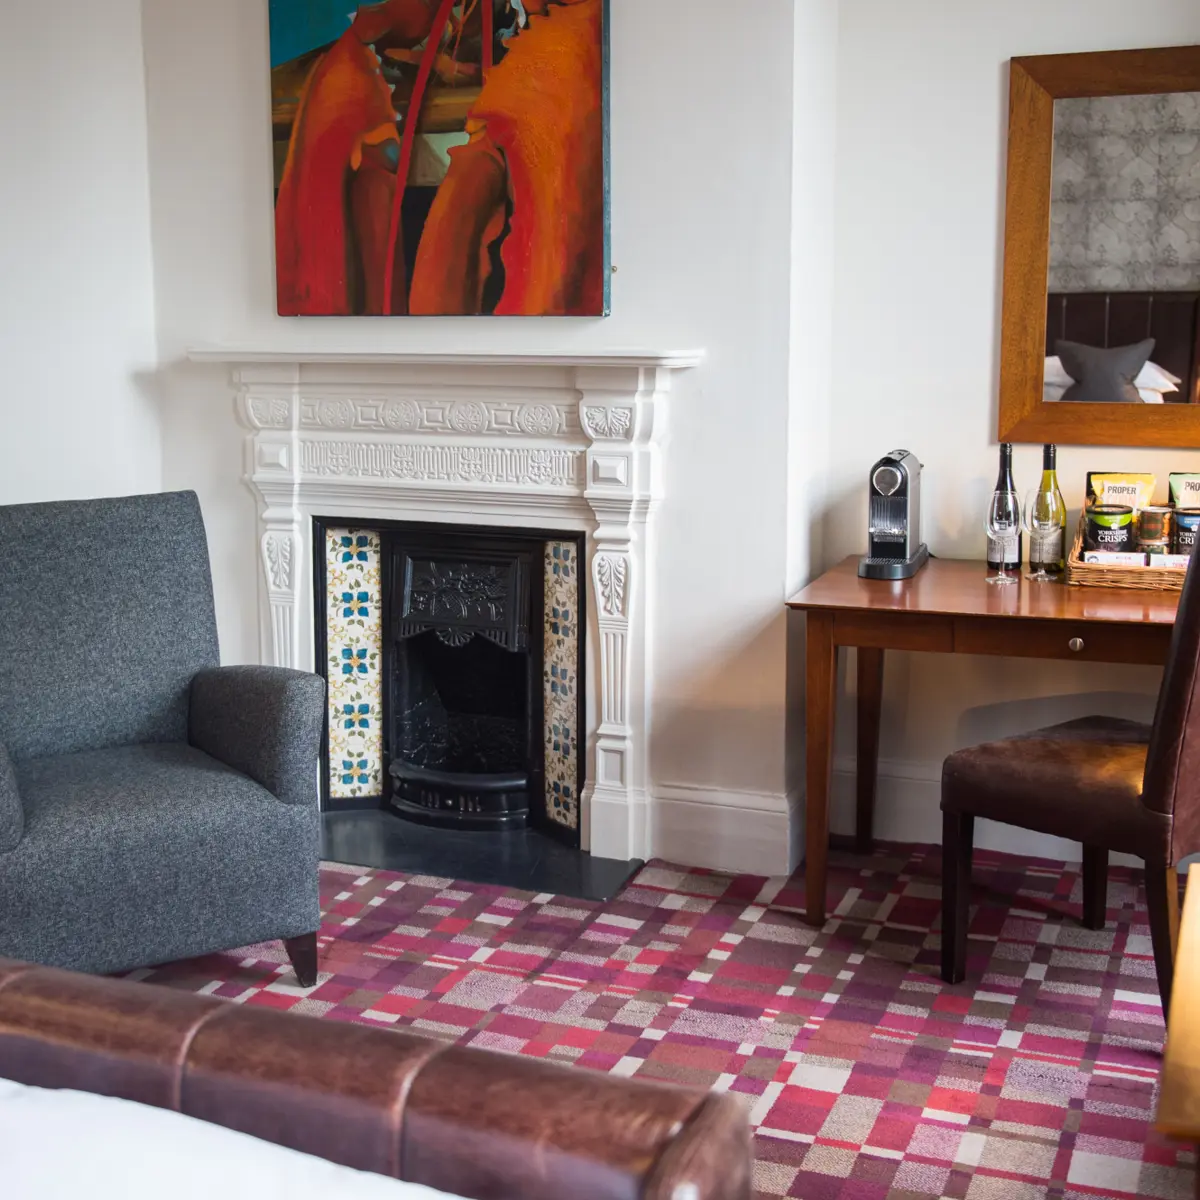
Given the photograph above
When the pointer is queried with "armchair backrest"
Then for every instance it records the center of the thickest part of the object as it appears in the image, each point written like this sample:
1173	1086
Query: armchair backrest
106	613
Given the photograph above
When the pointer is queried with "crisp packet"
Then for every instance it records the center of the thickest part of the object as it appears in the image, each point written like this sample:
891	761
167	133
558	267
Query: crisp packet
1112	487
1185	489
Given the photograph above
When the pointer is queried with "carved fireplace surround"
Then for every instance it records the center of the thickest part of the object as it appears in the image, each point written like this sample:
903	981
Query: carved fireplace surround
543	441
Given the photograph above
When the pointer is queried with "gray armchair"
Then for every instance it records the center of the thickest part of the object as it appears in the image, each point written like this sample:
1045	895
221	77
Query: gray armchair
153	805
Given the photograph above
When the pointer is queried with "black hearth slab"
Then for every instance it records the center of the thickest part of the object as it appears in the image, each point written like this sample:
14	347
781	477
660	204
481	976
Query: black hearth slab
521	858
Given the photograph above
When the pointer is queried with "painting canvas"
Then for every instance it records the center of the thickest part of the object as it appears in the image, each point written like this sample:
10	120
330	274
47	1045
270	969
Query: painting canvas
441	157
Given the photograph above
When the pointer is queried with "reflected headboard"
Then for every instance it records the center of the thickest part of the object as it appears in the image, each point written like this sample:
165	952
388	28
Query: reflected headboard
1121	318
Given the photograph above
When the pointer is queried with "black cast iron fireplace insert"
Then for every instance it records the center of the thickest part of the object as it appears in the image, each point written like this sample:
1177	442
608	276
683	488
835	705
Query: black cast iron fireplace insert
464	671
467	673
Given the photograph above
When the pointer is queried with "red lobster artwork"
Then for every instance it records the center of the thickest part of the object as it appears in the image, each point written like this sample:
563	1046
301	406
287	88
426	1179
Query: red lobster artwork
516	224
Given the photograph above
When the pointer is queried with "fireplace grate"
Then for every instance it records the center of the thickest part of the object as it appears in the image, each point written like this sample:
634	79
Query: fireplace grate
466	800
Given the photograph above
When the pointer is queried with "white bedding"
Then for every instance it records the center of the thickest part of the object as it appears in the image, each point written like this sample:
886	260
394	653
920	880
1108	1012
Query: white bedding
59	1145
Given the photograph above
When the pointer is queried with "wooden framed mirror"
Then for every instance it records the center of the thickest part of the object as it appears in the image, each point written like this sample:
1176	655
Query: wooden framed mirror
1100	337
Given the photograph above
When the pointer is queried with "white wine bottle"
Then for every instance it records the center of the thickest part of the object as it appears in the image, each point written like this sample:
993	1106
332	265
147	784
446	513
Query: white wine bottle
1046	520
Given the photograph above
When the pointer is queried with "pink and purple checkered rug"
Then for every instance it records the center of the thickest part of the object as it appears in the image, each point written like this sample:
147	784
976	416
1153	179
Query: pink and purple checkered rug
865	1077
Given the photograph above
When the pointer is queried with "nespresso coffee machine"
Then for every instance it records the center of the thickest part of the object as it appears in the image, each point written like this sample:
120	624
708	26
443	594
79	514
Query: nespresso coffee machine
894	546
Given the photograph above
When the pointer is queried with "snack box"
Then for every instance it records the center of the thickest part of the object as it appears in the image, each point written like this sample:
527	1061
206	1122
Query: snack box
1112	558
1109	558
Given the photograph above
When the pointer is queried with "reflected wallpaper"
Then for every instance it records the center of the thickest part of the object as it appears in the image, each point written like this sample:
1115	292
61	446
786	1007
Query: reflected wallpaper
1125	204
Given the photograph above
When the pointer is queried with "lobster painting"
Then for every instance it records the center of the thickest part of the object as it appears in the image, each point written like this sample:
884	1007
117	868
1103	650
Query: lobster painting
441	157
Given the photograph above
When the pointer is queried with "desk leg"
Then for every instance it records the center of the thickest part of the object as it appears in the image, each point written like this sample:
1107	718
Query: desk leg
819	705
870	703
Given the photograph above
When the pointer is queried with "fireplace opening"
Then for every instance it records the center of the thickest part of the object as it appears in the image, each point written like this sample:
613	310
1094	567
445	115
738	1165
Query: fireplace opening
454	661
465	723
460	707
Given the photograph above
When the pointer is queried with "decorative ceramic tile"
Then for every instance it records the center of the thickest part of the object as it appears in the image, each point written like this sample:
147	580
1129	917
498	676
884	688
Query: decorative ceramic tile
561	675
354	641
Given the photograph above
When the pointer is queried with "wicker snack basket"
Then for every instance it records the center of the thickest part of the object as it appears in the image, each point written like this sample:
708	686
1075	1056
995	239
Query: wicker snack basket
1156	579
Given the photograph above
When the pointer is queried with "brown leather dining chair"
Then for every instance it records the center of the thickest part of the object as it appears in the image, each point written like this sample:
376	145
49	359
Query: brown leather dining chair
1110	784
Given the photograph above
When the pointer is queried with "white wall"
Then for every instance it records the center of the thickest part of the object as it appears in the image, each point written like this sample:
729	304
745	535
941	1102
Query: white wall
922	110
77	307
810	384
896	120
702	168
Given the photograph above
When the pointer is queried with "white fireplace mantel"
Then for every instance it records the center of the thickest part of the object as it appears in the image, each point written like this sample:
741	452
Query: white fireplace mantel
544	439
246	356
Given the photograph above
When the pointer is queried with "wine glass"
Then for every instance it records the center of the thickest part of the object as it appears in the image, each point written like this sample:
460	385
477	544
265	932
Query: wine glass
1044	519
1004	530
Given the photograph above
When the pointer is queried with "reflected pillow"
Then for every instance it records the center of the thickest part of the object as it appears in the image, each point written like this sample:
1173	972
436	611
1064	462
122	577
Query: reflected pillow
1103	376
1151	378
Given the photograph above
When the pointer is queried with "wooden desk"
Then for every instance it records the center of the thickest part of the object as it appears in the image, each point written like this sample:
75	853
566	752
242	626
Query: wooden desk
947	608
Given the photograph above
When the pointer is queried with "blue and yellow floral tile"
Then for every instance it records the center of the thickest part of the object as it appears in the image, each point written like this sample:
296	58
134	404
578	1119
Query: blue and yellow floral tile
561	680
354	642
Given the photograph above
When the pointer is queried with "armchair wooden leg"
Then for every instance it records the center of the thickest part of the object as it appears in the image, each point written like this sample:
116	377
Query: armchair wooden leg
958	832
302	951
1162	899
1095	887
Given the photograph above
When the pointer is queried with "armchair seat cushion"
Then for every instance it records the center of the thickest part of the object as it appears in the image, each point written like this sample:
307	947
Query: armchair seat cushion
148	853
1080	780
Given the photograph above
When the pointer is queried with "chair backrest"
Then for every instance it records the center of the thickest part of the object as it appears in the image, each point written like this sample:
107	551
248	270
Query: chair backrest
106	613
1172	779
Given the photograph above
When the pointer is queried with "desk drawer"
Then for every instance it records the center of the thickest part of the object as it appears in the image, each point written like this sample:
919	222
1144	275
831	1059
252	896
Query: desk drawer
930	632
1085	641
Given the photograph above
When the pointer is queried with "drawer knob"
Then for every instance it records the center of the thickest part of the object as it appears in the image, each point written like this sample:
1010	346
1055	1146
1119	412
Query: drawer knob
1075	645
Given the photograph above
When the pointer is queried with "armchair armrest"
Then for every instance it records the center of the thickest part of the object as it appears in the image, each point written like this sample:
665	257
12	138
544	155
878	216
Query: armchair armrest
263	721
12	815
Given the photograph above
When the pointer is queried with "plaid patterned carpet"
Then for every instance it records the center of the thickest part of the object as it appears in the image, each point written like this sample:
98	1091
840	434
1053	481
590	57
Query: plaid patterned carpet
865	1077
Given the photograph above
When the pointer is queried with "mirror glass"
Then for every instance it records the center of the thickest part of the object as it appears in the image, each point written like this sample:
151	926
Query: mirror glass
1123	311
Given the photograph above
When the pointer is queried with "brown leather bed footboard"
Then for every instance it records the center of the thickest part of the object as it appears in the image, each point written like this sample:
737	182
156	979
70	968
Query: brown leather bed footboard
470	1122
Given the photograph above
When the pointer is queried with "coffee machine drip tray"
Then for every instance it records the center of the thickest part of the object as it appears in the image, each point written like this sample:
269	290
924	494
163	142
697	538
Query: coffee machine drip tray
893	568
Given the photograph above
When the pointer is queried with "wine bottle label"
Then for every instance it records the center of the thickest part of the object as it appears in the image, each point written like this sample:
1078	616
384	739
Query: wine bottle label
1004	550
1046	547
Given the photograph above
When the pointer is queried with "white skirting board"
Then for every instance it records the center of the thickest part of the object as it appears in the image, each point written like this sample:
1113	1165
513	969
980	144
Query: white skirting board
762	833
757	833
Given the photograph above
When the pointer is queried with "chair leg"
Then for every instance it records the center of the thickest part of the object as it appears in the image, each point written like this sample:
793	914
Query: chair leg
1095	887
302	951
958	831
1162	899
